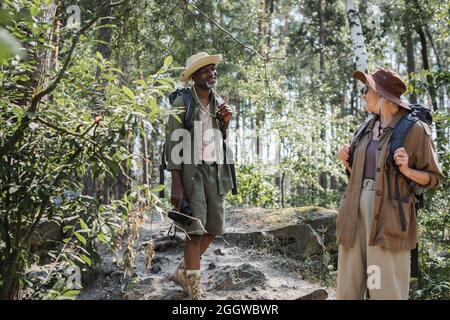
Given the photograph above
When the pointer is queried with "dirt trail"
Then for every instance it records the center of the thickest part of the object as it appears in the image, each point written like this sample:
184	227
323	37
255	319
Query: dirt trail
229	271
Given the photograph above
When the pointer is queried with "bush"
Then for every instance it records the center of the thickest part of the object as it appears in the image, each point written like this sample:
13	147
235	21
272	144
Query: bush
255	187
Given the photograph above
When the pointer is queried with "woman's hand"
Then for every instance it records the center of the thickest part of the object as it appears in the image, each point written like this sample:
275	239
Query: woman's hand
401	159
343	154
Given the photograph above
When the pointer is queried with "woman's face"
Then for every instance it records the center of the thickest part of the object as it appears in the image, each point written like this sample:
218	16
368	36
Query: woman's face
371	99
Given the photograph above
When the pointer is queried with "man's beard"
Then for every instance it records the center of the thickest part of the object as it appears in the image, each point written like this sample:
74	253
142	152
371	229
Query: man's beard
211	86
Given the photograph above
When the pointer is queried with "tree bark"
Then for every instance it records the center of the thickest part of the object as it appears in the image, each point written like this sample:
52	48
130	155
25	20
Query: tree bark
357	39
410	62
269	8
145	166
322	35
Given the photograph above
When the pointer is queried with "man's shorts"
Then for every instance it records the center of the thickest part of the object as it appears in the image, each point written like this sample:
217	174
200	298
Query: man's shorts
206	202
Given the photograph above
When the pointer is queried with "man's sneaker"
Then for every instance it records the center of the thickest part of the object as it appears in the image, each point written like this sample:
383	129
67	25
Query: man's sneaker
179	276
193	286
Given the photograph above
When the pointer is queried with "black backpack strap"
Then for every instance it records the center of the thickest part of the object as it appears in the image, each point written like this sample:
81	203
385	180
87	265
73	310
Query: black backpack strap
188	102
399	199
233	179
397	141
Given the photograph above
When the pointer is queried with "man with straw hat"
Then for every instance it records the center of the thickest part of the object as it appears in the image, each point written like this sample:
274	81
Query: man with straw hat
200	173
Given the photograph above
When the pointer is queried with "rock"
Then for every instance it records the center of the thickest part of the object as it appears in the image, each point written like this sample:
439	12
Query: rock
155	269
246	239
236	278
297	241
170	295
211	266
138	287
167	243
219	252
324	223
47	230
320	294
160	260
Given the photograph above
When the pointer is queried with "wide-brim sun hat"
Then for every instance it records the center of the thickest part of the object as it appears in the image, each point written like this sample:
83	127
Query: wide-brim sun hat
197	61
385	82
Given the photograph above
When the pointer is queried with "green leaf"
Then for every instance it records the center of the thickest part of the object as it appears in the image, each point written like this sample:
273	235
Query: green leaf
86	259
99	55
128	92
80	238
71	293
158	188
168	61
83	224
13	189
66	228
9	46
102	238
33	10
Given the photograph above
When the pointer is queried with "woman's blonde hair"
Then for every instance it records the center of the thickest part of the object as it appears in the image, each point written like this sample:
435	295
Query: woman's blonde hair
383	101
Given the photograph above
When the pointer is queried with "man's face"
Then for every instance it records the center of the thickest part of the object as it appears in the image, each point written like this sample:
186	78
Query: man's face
205	77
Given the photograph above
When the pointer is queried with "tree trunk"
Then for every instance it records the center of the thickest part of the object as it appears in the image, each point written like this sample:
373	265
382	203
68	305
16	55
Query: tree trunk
431	88
426	66
357	39
282	188
261	26
410	62
322	36
269	7
145	166
13	270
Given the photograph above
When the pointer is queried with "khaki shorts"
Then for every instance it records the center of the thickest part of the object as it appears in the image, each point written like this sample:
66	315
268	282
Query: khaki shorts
206	202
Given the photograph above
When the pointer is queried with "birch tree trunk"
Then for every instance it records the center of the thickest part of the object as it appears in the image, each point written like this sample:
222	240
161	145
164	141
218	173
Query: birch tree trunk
322	35
357	36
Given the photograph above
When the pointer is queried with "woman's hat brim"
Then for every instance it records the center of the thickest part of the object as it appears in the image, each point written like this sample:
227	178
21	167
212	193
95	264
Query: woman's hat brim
367	78
200	63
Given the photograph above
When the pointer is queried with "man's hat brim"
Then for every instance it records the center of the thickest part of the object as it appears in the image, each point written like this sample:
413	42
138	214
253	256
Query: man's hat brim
200	63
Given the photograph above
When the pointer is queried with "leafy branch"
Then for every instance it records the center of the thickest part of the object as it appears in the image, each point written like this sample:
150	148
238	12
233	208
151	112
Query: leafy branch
37	98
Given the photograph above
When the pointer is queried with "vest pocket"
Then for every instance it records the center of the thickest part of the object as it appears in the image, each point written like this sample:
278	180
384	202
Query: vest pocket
391	217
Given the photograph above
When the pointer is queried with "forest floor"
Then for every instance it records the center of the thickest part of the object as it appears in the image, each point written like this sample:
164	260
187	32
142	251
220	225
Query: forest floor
230	269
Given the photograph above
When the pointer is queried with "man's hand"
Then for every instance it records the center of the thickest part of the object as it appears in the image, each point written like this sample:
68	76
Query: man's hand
225	113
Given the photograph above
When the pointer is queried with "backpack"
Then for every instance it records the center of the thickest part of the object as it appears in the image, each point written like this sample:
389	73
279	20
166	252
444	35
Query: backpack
188	102
397	139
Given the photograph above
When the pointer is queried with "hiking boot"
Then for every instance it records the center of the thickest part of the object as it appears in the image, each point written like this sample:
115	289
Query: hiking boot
193	286
179	276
